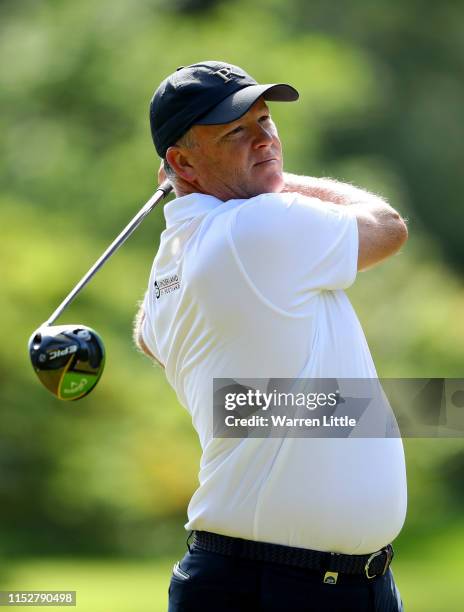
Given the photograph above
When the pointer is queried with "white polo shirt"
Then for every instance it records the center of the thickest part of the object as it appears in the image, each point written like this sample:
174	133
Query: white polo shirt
254	289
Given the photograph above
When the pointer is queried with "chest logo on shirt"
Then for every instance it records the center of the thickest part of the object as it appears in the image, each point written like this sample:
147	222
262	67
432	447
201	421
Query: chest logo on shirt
166	285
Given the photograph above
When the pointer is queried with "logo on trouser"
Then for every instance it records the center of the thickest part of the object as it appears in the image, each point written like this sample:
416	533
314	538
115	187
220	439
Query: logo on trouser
330	578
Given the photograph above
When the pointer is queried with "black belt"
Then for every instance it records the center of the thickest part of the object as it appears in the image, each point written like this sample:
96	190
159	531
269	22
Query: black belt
372	565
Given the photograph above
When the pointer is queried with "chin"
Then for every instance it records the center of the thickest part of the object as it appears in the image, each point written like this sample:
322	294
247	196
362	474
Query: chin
274	184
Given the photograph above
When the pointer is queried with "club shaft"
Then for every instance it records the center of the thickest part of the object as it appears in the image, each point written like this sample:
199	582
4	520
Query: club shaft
163	190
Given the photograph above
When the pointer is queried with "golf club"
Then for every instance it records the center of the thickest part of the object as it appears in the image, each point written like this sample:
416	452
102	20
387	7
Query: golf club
69	359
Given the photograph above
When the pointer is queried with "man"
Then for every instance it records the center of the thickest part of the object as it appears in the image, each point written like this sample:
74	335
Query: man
248	283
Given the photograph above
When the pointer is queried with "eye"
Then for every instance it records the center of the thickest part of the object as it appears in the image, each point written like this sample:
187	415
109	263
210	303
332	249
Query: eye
237	130
264	118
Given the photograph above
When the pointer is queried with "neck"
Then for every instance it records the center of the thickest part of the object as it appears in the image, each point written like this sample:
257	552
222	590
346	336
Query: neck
183	188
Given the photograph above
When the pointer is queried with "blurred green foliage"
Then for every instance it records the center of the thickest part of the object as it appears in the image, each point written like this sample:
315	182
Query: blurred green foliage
381	106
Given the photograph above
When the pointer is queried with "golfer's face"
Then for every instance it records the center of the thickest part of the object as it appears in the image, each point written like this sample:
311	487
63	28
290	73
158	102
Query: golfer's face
240	159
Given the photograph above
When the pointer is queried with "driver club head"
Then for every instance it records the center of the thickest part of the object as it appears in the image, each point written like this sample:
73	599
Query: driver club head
68	359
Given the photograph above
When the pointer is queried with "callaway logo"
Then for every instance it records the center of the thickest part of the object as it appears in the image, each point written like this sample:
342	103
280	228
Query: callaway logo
76	387
227	74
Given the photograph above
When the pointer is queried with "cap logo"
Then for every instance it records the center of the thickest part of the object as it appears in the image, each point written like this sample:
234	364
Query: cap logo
227	74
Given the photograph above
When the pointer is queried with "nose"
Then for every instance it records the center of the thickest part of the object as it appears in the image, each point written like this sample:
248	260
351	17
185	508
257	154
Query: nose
263	136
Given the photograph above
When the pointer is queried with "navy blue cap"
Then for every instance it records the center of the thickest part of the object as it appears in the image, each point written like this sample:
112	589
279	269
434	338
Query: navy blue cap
207	93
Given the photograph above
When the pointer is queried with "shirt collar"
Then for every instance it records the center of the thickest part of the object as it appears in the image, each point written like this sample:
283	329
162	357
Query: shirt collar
189	206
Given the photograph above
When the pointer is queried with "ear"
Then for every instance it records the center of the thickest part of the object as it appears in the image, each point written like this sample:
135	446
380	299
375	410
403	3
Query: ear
179	160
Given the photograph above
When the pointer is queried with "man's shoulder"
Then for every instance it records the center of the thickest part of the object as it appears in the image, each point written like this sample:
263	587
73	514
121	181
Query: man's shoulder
280	201
277	198
258	206
268	209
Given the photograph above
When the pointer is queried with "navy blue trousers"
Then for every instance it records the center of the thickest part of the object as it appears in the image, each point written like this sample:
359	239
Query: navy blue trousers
209	582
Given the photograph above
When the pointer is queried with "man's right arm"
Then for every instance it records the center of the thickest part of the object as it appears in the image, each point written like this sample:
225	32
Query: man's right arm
381	229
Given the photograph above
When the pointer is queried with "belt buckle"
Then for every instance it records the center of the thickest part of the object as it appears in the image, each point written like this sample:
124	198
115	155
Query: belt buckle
388	550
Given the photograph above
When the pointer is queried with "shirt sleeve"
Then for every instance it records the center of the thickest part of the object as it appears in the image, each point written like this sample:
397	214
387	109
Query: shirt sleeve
147	329
292	247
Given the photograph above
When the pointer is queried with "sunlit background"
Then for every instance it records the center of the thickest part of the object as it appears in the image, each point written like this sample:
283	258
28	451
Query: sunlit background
93	494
